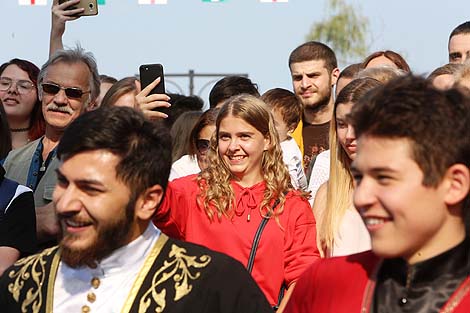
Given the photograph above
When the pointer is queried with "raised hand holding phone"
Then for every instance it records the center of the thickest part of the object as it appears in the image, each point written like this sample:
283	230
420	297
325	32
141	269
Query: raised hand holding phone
148	103
61	13
88	7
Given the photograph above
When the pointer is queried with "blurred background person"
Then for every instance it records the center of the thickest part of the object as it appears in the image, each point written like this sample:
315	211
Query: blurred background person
386	58
443	77
340	227
346	76
17	215
180	133
122	93
286	109
198	146
19	95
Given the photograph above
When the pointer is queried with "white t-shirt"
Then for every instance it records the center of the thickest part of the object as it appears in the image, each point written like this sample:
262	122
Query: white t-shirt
292	157
353	236
320	173
184	166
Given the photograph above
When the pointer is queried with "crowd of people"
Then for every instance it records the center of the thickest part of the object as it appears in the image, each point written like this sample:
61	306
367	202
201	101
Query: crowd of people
348	194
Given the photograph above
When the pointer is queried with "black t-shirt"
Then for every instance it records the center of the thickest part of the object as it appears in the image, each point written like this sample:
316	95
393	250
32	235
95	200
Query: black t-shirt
18	225
316	140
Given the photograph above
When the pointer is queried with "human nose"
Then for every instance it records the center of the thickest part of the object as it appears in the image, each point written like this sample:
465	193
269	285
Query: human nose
305	81
66	201
363	195
13	88
350	135
61	97
233	145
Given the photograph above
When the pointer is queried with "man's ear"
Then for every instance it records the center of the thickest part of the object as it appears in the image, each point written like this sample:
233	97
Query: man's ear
91	106
458	184
334	76
148	202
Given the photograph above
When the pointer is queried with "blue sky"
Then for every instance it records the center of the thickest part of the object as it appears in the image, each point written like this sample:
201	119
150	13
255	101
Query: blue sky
237	36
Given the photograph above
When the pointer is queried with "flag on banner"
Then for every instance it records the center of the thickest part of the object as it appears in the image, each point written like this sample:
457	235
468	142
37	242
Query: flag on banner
32	2
273	1
213	0
101	2
152	1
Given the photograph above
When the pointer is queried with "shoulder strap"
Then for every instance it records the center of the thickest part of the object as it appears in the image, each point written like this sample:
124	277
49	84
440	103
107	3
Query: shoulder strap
254	246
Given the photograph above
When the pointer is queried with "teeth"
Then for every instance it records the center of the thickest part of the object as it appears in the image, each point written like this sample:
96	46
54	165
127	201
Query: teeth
373	221
77	224
236	157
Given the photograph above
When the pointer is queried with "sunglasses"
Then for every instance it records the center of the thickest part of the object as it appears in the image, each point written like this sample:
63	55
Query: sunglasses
202	145
70	92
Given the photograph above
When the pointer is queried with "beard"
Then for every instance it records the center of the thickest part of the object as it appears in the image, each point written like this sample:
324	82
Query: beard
109	237
321	104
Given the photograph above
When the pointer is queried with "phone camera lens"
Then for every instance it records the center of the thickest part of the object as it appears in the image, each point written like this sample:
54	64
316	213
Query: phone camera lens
91	5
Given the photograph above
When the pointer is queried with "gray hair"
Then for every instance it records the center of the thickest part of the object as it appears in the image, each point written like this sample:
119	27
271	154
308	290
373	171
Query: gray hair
75	55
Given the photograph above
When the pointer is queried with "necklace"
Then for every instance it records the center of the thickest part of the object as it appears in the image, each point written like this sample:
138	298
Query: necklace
20	130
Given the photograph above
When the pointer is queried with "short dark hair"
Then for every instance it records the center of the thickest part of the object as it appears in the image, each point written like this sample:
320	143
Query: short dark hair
230	86
447	69
463	28
411	108
287	103
314	50
350	71
107	79
179	105
144	148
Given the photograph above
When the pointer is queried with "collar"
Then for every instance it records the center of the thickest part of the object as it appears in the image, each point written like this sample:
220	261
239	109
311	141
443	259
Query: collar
121	259
455	261
247	197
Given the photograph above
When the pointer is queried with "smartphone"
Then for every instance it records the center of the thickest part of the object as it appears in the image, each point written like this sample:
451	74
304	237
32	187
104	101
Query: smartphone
150	72
90	6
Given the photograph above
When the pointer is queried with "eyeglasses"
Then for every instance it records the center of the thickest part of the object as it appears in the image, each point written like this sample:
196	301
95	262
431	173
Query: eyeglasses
70	92
202	145
22	86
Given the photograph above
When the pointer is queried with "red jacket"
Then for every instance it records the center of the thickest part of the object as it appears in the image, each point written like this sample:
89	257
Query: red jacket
284	252
345	285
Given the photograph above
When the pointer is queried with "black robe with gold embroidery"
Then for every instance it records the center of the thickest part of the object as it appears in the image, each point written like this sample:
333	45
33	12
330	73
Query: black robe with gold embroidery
176	277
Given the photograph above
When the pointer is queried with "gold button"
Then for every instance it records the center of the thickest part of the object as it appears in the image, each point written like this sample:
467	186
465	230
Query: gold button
91	297
95	282
86	309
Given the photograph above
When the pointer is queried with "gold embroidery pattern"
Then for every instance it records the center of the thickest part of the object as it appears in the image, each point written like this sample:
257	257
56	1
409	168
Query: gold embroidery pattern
32	269
180	267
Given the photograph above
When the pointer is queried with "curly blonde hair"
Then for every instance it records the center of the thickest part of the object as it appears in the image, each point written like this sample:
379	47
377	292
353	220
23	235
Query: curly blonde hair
217	196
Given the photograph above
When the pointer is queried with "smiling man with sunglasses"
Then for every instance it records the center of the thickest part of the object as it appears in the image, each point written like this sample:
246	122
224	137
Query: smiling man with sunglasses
68	85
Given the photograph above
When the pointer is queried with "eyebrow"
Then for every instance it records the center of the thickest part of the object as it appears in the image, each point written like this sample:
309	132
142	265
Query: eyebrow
81	181
374	170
